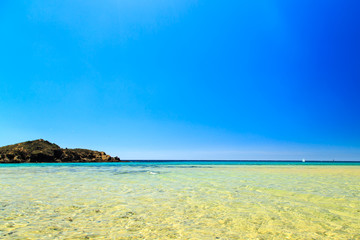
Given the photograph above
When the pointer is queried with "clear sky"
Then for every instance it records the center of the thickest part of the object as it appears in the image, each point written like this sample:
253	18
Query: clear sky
183	79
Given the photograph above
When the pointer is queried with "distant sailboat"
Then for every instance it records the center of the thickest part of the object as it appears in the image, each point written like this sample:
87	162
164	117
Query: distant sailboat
303	160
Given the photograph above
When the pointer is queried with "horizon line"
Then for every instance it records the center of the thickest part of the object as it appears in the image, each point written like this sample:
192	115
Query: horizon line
241	160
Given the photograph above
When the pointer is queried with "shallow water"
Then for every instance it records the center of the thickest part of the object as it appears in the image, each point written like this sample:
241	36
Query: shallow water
164	201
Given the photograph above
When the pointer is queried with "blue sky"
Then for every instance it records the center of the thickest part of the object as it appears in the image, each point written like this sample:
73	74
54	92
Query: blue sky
183	79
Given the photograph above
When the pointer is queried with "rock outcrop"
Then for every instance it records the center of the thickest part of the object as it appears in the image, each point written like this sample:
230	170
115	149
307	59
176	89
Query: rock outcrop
44	151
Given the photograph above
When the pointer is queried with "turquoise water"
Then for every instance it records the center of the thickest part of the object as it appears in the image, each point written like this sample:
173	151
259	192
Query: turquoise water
187	162
180	200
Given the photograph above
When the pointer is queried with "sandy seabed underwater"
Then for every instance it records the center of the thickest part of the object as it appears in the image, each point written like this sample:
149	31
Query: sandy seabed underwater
175	201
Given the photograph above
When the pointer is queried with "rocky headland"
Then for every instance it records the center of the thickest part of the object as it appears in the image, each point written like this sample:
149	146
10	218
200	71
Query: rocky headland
40	150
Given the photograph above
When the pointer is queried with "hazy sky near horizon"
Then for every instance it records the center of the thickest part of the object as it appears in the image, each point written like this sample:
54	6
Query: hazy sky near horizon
183	79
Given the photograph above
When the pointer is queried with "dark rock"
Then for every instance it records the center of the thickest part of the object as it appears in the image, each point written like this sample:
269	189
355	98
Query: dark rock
44	151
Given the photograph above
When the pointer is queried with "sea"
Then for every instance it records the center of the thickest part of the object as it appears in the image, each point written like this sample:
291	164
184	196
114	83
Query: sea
180	200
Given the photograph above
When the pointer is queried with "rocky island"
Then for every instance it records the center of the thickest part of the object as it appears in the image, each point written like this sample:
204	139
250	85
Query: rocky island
40	151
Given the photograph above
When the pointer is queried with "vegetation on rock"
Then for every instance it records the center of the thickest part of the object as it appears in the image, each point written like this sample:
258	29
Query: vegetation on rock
44	151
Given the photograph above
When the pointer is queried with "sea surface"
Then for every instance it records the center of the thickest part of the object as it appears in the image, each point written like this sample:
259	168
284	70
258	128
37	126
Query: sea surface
180	200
